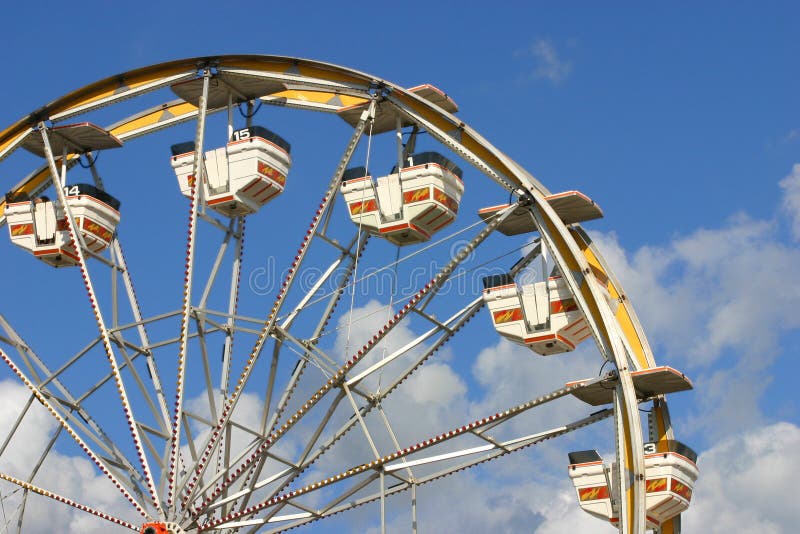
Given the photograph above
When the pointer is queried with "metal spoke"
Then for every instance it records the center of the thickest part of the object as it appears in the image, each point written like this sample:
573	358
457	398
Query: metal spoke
279	301
104	333
69	502
382	463
83	445
196	188
339	378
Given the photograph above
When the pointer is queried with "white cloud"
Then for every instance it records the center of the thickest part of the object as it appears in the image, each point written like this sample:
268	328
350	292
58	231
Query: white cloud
548	64
791	198
433	399
511	374
791	136
747	483
513	494
73	477
474	501
715	303
713	290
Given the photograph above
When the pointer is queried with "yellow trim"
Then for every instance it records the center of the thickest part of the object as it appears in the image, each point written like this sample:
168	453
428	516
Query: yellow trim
469	142
178	110
623	314
32	184
668	527
11	141
318	97
138	77
129	82
593	310
572	265
283	66
629	491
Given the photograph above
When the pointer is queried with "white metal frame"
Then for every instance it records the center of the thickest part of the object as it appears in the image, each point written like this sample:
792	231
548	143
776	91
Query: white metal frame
219	483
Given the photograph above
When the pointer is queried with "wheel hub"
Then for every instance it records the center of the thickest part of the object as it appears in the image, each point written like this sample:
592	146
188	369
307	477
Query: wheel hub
162	528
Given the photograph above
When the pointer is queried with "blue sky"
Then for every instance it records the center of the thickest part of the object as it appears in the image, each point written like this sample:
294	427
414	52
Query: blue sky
683	123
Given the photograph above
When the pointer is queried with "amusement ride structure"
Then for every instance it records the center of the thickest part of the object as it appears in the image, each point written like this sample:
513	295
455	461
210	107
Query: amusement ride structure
207	417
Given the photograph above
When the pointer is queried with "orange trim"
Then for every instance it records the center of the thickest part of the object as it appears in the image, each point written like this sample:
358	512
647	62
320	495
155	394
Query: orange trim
444	199
270	197
271	173
364	206
679	488
220	200
21	229
573	325
563	306
425	213
417	88
506	316
54	251
416	195
93	200
568	194
395	228
578	332
493	208
441	214
351	180
97	229
660	368
448	221
656	454
267	185
598	462
251	184
582	339
656	484
404	226
595	493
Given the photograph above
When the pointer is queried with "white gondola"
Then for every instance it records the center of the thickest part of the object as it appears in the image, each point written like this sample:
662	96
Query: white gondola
670	474
543	316
240	177
40	225
408	206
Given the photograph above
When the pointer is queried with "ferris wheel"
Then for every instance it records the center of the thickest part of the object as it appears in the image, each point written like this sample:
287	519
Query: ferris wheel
223	386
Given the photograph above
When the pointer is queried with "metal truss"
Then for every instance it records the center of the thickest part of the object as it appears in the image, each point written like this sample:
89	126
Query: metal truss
198	462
